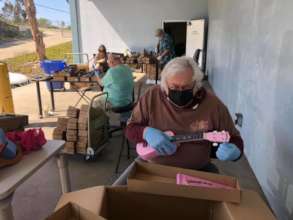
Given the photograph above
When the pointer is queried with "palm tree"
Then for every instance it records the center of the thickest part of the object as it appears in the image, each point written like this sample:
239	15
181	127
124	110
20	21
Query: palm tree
37	35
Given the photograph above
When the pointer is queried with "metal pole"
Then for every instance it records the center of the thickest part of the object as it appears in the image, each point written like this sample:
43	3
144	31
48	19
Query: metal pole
6	101
39	98
6	212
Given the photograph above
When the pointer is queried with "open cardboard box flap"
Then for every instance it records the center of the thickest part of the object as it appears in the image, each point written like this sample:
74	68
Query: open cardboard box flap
72	211
159	179
118	203
90	199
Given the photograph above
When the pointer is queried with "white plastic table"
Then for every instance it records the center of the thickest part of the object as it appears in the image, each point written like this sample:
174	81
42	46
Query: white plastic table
12	177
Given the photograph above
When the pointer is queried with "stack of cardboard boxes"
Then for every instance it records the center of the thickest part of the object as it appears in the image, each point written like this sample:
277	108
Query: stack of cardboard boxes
82	130
71	131
74	130
59	132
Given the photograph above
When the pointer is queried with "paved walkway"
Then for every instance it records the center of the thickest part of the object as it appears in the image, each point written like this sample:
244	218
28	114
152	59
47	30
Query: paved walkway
20	47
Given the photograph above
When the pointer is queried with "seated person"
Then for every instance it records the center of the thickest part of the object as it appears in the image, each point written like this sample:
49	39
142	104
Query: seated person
182	105
118	83
99	63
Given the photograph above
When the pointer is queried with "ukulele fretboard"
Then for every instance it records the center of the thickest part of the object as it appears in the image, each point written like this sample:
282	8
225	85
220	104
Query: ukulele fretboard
187	137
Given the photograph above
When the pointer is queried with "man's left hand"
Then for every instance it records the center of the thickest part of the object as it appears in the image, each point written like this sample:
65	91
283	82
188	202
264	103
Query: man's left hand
159	58
228	151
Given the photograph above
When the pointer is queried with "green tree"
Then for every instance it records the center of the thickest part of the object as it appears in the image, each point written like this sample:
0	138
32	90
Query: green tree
19	13
14	11
7	10
44	22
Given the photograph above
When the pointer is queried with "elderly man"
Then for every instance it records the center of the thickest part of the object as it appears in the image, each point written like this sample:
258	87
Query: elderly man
118	83
182	105
165	48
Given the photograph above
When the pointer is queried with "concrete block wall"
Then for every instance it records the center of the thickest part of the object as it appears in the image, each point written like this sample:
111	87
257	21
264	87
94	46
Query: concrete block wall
250	65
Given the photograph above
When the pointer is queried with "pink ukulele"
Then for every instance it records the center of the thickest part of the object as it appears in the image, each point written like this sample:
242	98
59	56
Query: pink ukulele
182	179
146	152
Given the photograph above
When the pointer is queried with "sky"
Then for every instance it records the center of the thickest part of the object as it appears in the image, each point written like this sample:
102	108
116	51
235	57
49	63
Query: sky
61	12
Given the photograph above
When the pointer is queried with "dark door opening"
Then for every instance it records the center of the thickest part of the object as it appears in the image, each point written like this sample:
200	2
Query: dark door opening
177	31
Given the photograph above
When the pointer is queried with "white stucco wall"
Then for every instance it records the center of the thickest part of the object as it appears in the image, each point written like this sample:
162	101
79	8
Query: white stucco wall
250	54
121	24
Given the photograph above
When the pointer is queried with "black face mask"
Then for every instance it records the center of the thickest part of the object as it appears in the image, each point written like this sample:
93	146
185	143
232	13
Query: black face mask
181	98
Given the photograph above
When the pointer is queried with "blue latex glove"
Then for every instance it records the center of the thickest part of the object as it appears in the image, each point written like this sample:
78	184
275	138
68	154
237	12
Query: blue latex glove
159	141
228	151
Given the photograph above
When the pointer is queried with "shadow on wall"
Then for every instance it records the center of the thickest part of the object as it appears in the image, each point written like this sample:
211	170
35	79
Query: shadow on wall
135	20
282	122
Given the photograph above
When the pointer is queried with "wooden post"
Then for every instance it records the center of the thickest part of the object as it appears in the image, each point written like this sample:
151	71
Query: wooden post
37	35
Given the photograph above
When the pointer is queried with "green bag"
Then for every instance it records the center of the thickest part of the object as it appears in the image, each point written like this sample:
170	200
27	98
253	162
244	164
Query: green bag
98	127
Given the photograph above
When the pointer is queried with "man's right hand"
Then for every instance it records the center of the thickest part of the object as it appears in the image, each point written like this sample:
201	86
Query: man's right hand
159	141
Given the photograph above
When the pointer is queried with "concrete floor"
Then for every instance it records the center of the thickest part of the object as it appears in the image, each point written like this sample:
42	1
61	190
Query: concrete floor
36	198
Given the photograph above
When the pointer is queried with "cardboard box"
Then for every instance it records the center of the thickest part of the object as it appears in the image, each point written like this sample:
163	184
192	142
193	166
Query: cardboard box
72	112
71	138
68	151
71	132
85	79
81	145
72	211
82	133
62	121
84	108
82	126
83	120
159	179
72	120
69	144
12	122
72	78
81	150
118	203
58	134
82	139
72	124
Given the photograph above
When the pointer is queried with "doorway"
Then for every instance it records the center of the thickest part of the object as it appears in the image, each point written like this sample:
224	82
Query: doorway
177	30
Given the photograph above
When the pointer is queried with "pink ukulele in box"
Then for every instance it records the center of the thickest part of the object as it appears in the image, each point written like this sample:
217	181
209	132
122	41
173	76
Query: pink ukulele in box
146	152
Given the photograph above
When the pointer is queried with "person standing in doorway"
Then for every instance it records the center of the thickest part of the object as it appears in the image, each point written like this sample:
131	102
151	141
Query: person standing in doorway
165	48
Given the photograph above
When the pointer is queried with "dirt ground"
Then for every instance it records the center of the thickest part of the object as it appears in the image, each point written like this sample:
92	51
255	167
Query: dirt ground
20	47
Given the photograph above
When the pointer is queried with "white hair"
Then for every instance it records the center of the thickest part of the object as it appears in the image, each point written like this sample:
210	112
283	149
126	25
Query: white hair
178	65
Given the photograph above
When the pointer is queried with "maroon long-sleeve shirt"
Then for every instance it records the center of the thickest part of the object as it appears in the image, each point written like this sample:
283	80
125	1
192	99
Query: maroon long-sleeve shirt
206	113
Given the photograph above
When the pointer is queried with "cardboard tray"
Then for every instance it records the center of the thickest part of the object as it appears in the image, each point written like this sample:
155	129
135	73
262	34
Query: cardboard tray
161	180
118	203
